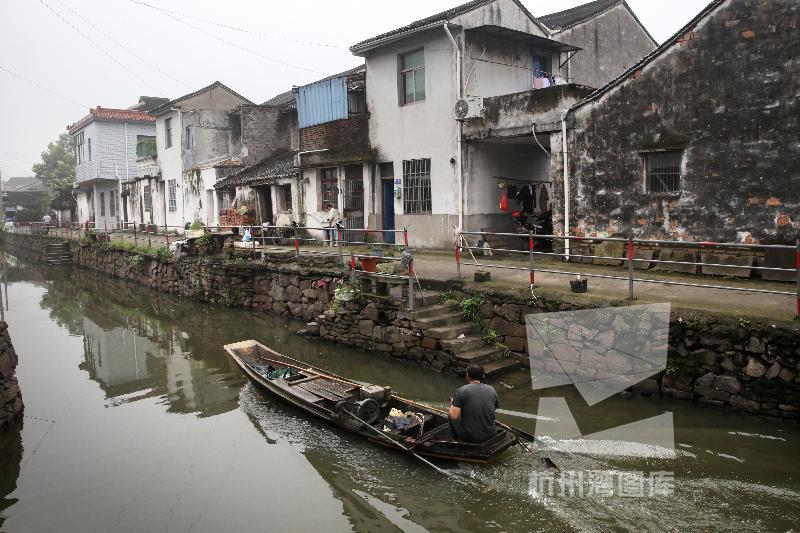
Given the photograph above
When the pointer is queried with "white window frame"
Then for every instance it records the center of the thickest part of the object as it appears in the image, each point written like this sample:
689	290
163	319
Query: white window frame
172	195
414	71
79	143
417	187
168	132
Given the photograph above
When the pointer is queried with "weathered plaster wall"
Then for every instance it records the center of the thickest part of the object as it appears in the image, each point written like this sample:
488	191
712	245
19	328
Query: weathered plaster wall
266	131
611	43
727	94
10	395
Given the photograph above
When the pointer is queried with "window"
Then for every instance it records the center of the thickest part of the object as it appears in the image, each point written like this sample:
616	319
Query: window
353	188
663	172
147	199
112	203
357	102
412	73
329	188
168	133
417	186
284	194
145	146
102	204
172	194
89	147
189	138
79	155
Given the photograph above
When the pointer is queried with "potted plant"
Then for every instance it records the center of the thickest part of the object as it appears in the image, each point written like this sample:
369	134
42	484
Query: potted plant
579	285
195	230
346	293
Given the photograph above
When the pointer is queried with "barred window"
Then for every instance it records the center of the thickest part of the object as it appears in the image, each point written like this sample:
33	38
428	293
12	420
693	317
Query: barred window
102	204
112	203
329	188
663	172
417	186
353	188
284	197
172	195
147	199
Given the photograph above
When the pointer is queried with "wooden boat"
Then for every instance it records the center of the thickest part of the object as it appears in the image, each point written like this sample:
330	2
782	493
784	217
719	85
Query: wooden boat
368	410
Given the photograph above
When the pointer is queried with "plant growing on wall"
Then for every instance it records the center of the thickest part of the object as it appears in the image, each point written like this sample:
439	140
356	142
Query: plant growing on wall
137	261
471	308
205	244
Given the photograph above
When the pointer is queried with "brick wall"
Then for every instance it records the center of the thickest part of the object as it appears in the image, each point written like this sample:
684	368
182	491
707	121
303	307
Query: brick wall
726	94
351	134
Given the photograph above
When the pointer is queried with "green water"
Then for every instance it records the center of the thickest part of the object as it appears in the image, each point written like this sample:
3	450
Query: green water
136	421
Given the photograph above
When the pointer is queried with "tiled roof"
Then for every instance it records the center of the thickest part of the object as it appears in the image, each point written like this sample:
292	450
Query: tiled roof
572	17
104	113
284	99
569	18
652	56
216	84
148	103
266	171
442	17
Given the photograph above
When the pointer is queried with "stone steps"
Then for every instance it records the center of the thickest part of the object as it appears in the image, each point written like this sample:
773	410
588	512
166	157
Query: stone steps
452	331
481	356
438	321
58	254
431	311
457	346
500	367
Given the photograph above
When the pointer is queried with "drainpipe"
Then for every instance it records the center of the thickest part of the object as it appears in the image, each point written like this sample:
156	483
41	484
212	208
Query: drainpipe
566	180
459	163
127	175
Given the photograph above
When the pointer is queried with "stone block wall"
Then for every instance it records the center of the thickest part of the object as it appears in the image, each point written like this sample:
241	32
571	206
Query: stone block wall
10	395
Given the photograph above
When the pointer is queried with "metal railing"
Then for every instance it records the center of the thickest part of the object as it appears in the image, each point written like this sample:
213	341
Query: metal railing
631	246
261	237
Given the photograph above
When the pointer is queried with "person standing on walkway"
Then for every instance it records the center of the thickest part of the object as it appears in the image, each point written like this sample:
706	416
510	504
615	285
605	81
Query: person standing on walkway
472	409
334	220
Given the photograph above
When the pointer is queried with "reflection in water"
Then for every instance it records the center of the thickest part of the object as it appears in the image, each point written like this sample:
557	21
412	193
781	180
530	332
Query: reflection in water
157	430
10	460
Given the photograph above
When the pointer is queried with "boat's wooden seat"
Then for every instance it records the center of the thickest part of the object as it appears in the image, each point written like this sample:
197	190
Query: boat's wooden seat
317	388
306	395
303	380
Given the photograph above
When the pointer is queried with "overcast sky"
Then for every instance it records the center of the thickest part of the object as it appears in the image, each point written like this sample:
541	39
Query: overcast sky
136	50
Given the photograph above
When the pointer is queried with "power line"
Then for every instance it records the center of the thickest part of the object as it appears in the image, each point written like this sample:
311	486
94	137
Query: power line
118	43
235	28
51	91
99	47
230	43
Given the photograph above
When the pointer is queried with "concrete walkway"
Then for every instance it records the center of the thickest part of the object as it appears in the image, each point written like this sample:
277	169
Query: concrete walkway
438	265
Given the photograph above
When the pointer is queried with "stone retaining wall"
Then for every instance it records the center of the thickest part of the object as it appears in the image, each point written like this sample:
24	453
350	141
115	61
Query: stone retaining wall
747	366
295	287
741	364
10	395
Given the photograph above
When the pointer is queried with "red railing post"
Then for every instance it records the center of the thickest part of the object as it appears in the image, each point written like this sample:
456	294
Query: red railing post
405	237
631	254
797	273
531	268
458	255
296	243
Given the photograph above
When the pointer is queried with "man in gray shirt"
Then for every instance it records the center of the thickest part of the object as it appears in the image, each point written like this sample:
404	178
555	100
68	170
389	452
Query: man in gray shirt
472	409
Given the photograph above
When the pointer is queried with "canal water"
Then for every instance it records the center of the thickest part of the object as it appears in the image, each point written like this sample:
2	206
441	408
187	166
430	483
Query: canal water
135	421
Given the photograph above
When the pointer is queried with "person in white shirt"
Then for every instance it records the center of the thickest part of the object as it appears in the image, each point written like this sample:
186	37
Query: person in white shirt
333	219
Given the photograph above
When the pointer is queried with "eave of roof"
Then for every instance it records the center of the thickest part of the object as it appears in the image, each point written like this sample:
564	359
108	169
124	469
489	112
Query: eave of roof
265	171
651	56
115	115
217	84
431	22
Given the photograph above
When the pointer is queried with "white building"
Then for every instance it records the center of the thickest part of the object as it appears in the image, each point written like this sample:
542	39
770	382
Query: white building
106	145
198	139
431	177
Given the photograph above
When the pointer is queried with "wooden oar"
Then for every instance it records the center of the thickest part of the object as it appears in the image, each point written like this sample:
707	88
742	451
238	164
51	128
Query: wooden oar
531	438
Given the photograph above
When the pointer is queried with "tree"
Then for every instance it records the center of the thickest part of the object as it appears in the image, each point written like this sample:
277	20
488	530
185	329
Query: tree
57	172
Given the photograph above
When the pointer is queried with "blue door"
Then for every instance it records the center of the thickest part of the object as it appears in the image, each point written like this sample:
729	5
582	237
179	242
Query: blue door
388	210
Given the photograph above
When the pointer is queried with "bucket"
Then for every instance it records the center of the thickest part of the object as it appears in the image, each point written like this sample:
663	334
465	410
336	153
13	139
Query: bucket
369	264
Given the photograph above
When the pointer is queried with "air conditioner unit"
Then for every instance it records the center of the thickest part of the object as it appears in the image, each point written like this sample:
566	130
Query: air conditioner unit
469	107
